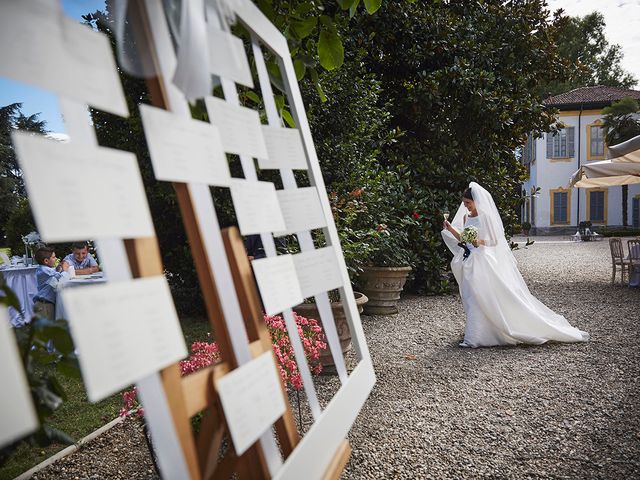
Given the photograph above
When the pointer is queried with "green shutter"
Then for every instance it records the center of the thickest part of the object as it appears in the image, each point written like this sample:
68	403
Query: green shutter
549	145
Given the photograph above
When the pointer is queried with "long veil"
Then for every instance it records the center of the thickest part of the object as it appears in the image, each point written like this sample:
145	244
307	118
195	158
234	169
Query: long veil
491	227
492	278
492	232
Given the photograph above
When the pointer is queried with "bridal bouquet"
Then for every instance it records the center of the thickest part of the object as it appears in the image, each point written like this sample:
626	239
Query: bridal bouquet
468	235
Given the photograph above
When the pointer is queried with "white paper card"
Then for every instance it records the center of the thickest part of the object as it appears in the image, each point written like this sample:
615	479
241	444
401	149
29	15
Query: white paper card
239	128
252	400
123	331
43	47
227	57
278	283
284	149
318	271
257	207
184	150
18	415
301	210
79	191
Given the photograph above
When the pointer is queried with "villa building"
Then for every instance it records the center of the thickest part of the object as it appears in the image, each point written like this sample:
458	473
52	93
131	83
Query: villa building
551	159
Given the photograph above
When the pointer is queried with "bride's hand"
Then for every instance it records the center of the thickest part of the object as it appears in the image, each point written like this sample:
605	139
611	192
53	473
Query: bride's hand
446	225
477	243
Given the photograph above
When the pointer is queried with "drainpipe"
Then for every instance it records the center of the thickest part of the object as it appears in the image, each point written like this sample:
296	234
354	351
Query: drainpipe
579	150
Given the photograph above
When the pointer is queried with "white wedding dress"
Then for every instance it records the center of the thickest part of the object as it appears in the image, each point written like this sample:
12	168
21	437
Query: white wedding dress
500	309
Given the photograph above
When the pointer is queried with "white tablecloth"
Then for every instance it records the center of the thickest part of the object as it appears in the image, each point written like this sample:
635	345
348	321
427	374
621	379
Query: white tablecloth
22	281
78	281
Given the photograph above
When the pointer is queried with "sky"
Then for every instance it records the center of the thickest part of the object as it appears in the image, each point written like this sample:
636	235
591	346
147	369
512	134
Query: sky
35	100
621	16
623	25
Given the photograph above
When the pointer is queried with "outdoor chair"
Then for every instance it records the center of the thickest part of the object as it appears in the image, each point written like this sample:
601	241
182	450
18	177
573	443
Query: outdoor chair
634	256
617	259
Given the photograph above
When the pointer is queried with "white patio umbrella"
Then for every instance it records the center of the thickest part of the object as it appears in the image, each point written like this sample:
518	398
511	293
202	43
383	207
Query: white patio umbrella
629	150
606	173
624	169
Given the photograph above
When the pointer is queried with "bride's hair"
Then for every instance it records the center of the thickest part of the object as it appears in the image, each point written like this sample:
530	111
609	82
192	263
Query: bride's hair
467	194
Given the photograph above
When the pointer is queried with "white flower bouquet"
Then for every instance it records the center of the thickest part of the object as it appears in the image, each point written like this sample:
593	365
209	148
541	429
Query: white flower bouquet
469	235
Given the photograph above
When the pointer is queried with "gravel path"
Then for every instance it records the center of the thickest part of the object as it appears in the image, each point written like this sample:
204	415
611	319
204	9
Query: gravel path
439	411
550	411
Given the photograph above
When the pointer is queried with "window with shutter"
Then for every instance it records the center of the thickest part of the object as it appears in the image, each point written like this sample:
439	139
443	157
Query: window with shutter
595	134
597	206
559	207
561	144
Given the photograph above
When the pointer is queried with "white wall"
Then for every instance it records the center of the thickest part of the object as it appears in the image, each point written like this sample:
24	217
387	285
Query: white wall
553	174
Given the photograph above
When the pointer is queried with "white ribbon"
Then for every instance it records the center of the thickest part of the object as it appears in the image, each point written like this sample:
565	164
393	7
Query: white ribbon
192	75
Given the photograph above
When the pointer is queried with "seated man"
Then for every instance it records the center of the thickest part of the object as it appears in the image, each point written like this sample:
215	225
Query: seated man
81	260
49	280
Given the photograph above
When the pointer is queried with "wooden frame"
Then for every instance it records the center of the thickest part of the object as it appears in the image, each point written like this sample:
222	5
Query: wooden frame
231	300
323	451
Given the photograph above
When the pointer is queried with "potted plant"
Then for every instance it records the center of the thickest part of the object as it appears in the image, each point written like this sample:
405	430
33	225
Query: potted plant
310	311
526	227
374	225
383	279
356	236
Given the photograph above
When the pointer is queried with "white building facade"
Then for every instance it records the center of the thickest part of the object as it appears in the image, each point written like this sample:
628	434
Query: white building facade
550	161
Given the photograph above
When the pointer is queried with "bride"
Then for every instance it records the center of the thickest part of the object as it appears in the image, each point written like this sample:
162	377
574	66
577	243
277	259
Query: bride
500	309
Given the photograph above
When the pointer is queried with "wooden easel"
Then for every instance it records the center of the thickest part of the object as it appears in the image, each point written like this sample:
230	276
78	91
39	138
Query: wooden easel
195	393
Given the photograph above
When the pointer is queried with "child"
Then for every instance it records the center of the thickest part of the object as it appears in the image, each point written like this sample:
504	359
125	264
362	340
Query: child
82	261
49	279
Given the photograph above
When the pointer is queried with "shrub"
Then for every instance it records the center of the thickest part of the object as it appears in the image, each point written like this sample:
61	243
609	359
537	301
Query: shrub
205	354
618	232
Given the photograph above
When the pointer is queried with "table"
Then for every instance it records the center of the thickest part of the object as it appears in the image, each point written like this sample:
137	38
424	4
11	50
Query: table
22	281
77	281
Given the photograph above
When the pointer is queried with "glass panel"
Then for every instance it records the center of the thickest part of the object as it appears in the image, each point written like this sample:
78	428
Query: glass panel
556	145
597	141
560	144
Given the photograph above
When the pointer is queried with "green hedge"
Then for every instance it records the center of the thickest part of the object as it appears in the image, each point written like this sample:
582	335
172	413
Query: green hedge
619	232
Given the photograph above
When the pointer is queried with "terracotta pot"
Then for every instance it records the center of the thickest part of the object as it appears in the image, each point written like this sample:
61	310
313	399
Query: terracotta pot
383	286
309	310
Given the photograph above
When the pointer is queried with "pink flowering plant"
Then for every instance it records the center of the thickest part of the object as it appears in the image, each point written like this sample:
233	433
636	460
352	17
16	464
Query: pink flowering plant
313	341
204	354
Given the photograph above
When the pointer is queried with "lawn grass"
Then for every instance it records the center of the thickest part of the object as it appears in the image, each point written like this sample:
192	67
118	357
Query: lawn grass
77	417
